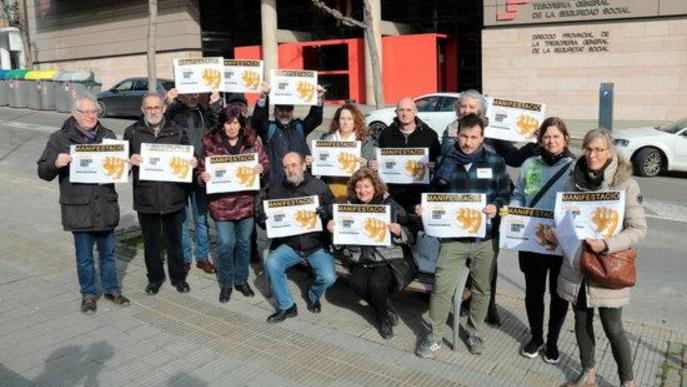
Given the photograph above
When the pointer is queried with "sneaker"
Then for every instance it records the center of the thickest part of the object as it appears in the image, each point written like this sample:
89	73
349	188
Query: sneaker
531	349
428	347
225	294
88	304
551	355
282	315
245	289
118	299
153	287
315	307
475	345
182	287
386	329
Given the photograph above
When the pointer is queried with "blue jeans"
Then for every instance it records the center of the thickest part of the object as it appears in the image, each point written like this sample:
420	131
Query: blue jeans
283	258
233	249
85	265
197	210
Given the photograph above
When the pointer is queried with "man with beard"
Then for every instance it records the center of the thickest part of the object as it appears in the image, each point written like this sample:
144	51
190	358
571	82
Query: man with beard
160	205
289	251
285	134
89	211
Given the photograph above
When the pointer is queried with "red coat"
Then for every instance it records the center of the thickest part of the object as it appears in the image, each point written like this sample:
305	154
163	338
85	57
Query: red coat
234	205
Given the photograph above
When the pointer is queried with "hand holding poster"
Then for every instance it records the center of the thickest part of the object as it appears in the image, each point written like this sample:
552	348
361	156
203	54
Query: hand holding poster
166	162
454	215
242	76
293	87
99	163
597	215
232	173
522	229
295	216
362	224
513	120
198	75
335	158
403	165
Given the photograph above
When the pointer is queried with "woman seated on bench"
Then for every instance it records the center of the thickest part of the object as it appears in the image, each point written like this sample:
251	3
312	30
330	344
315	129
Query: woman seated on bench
371	276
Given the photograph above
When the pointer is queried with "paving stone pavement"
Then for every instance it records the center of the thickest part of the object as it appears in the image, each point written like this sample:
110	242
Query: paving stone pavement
192	340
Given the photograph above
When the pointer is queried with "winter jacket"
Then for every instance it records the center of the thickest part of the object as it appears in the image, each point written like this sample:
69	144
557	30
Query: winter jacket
534	173
85	207
156	197
281	139
233	205
194	121
304	243
617	176
339	185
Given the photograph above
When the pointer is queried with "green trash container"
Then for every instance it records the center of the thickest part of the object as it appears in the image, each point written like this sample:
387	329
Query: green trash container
15	96
3	89
40	79
72	84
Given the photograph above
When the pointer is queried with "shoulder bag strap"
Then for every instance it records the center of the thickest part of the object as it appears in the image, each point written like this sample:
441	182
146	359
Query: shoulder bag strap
548	184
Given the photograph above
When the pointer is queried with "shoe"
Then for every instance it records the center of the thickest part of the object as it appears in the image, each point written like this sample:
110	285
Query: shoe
118	299
187	267
392	315
153	288
207	266
88	304
282	315
531	349
225	294
493	317
428	347
551	355
182	287
245	290
315	307
586	379
475	345
386	329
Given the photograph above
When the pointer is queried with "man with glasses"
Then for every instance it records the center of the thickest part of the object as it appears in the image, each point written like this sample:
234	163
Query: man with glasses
89	211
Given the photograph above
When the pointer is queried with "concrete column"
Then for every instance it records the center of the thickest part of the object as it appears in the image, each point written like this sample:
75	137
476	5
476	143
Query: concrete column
268	22
376	26
5	59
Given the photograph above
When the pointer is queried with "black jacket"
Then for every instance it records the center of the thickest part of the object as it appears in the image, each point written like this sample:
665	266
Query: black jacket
305	243
195	121
85	207
156	197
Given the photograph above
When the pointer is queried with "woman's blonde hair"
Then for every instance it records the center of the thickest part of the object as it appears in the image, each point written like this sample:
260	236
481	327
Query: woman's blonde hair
366	173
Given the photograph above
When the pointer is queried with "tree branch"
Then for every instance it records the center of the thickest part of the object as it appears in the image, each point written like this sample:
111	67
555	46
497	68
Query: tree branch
345	20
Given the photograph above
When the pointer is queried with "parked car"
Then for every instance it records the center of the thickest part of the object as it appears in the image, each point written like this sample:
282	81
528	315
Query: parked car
124	98
655	150
436	110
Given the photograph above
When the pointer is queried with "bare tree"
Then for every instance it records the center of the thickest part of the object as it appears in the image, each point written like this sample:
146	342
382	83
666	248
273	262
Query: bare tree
370	40
15	14
152	32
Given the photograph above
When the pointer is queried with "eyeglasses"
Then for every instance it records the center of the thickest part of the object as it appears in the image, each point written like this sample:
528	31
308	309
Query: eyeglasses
595	151
153	108
88	112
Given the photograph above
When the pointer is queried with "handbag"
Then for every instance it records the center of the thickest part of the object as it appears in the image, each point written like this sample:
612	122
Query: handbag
612	271
403	269
426	252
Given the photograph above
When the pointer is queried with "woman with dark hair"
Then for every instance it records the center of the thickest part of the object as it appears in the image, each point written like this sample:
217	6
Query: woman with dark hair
540	178
233	212
371	275
348	124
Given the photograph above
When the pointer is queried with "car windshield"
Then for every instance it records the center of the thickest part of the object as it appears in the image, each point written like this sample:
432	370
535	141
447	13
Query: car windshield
674	126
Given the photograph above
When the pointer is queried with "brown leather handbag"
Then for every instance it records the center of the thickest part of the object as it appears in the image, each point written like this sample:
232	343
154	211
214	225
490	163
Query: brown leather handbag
613	271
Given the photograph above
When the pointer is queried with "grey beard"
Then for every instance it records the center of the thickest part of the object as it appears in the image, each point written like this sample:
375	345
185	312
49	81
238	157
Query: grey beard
152	122
295	180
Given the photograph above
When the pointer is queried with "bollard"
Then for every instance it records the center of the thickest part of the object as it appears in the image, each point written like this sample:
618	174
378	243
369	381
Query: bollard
606	106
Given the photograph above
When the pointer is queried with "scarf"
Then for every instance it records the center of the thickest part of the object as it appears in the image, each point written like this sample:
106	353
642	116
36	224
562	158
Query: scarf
464	159
585	179
235	149
88	135
551	160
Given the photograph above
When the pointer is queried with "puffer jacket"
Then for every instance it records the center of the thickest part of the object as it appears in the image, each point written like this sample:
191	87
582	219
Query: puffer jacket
617	176
85	207
233	205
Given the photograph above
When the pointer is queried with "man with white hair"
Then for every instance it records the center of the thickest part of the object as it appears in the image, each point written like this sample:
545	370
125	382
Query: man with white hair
89	211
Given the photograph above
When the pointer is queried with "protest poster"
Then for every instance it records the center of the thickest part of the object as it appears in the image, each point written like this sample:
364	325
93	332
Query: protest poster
198	75
99	163
232	173
293	216
597	215
335	158
293	87
166	162
515	121
362	224
454	215
242	75
522	229
403	165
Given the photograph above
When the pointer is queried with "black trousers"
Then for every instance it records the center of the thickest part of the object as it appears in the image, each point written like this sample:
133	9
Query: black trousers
155	228
536	267
612	323
372	284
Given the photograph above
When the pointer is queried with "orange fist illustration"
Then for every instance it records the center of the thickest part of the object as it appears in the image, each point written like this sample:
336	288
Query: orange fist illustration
306	219
114	166
245	175
469	219
251	79
211	78
305	90
375	229
527	125
180	166
605	221
415	169
347	162
539	236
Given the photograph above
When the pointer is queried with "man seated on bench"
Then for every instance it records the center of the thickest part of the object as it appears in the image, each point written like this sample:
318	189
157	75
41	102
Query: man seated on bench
297	182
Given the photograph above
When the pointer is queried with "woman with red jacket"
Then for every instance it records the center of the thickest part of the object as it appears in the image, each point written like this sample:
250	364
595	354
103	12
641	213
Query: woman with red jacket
233	212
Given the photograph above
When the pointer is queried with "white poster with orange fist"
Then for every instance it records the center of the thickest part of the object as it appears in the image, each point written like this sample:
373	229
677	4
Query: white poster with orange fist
232	173
294	216
99	163
403	165
335	158
242	75
522	229
293	87
198	75
597	215
166	162
362	224
515	121
454	215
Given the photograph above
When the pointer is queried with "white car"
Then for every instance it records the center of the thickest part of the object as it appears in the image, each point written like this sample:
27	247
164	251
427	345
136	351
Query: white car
654	150
436	110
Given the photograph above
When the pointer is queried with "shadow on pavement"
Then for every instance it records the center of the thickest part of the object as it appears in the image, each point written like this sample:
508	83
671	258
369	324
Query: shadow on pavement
73	365
183	379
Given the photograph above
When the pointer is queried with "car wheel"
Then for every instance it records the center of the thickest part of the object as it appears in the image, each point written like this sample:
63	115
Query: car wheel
102	109
375	129
648	162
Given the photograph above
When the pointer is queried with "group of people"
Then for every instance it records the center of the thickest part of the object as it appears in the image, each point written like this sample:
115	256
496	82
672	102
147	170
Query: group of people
464	161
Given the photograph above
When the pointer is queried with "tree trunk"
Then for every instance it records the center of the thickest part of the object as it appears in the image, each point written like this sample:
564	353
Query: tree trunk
24	31
152	32
374	57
